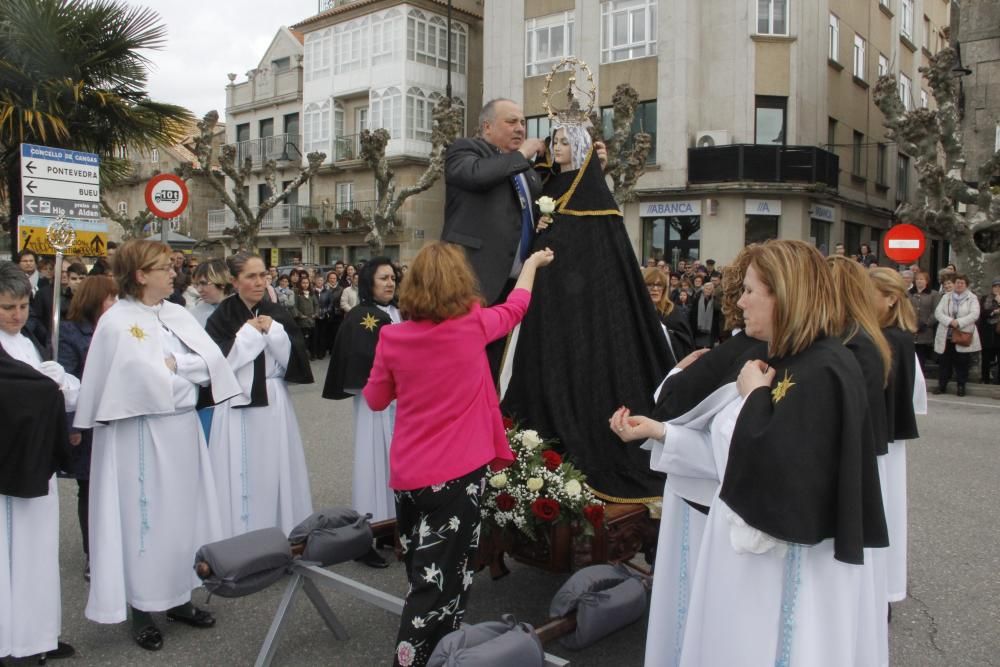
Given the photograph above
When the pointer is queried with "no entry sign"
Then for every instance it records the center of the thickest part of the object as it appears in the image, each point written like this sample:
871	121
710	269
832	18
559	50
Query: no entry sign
166	195
904	244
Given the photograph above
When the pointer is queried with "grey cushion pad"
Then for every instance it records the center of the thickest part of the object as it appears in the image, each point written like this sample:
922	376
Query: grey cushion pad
333	535
505	643
605	598
246	563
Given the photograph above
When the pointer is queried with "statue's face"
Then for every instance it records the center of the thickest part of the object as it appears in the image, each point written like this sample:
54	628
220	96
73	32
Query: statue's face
562	153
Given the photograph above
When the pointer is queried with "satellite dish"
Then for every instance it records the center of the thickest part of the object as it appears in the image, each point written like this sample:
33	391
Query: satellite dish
706	141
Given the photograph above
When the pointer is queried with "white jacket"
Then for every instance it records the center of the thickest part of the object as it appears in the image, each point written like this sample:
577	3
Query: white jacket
967	314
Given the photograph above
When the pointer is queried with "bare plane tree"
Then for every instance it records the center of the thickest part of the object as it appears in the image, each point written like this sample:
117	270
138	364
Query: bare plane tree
934	141
247	219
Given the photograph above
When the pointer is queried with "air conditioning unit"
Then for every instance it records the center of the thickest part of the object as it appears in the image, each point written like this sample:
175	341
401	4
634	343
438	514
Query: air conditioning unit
709	138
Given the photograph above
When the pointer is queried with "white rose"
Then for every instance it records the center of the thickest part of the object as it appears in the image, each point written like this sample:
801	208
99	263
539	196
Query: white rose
535	483
546	204
530	439
573	488
498	481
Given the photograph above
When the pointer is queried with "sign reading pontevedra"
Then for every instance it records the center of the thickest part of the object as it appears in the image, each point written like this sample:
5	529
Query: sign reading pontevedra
60	182
166	195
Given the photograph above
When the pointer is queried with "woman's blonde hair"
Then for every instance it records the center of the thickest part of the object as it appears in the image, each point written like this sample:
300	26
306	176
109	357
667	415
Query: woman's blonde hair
853	288
651	275
796	275
133	256
890	283
440	284
732	289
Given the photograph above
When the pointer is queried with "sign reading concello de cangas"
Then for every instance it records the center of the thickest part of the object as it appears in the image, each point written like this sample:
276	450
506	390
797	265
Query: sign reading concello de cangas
904	243
166	195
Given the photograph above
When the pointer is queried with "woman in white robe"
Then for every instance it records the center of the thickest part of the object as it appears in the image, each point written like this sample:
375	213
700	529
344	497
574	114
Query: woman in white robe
153	500
350	365
30	596
255	444
771	585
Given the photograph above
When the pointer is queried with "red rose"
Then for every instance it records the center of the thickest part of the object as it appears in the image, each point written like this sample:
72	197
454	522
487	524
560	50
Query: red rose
545	509
595	515
551	459
505	502
508	423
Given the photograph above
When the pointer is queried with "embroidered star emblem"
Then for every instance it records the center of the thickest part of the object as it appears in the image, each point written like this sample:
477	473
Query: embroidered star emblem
779	392
136	331
369	322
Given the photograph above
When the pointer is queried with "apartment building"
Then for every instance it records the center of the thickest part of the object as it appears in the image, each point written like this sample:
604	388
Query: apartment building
371	64
128	196
263	122
761	111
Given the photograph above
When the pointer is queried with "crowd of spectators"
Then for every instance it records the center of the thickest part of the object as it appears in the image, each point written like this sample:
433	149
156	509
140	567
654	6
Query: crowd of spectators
942	304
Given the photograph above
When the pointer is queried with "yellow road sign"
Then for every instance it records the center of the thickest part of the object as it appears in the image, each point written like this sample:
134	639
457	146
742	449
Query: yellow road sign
91	236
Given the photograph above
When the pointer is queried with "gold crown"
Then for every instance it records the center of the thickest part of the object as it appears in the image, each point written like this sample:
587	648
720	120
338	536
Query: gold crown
573	113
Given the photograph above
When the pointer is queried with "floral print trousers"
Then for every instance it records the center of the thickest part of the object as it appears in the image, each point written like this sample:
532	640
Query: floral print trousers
439	533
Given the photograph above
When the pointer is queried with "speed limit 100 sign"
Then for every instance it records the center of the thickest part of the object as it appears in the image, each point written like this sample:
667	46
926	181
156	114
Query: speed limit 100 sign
166	195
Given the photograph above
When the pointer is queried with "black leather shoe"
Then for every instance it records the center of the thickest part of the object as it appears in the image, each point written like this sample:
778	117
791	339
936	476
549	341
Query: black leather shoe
373	559
149	638
62	650
200	619
961	390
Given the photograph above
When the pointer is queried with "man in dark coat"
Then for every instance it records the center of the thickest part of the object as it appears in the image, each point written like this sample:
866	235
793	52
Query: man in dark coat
490	190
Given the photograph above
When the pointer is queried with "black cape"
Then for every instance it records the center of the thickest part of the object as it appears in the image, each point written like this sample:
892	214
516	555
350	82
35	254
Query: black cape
681	338
35	441
872	367
801	462
354	351
682	392
901	421
591	340
227	320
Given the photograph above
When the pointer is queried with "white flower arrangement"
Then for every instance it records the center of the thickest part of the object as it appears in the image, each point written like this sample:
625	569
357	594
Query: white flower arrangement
539	489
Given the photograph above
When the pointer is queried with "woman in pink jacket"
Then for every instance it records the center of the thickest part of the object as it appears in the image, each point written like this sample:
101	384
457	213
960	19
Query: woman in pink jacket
448	430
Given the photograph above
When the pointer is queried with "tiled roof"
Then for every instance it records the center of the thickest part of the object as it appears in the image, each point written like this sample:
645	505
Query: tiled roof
333	11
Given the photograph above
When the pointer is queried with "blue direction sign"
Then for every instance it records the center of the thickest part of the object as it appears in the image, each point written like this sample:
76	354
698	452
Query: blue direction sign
59	181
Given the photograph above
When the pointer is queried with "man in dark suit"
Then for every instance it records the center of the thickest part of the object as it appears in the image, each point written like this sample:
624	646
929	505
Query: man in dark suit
490	190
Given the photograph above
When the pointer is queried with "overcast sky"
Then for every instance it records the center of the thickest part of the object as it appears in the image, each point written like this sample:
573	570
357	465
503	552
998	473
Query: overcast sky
208	38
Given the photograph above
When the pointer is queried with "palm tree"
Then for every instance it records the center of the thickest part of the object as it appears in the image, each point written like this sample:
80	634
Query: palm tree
73	75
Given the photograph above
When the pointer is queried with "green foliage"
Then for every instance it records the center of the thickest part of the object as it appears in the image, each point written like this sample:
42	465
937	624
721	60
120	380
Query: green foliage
73	75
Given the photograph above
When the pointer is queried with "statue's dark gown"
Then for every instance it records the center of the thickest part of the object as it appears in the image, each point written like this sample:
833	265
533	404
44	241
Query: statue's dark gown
591	340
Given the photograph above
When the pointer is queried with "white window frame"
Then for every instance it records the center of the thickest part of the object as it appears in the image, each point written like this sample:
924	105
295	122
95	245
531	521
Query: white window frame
859	56
386	36
317	55
538	33
833	33
640	29
420	113
351	43
154	155
927	33
906	18
386	111
427	41
338	119
883	65
360	120
923	99
775	10
344	196
906	91
316	124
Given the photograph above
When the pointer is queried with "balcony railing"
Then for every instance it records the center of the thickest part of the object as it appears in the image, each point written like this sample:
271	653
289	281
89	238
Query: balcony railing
294	219
348	147
278	147
763	163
